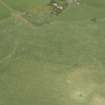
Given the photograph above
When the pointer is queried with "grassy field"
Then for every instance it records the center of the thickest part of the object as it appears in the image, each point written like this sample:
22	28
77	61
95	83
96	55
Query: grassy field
52	60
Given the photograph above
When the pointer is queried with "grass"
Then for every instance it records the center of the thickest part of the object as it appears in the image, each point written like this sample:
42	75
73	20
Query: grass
3	12
58	63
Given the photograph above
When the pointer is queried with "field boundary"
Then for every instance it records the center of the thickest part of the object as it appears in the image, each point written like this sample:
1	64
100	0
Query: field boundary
16	14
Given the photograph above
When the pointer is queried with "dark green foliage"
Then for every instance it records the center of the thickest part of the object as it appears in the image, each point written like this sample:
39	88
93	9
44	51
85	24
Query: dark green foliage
94	19
59	7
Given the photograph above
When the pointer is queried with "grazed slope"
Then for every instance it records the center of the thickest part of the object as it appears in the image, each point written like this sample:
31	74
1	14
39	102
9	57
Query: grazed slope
59	63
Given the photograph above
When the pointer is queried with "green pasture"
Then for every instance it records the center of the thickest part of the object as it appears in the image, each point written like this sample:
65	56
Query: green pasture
52	60
3	12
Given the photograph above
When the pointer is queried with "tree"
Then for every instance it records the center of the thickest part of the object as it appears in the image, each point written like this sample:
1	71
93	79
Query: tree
58	6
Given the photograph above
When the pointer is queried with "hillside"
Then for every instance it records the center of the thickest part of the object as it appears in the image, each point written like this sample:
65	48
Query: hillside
48	59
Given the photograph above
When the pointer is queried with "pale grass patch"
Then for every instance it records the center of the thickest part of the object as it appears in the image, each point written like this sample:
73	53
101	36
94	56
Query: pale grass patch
79	84
97	100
